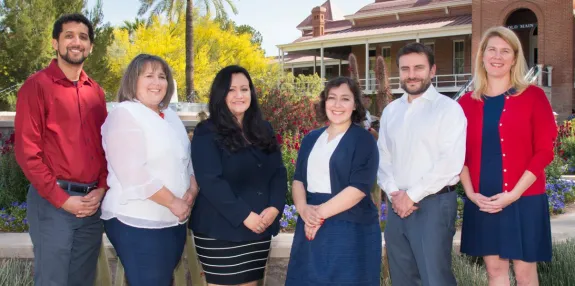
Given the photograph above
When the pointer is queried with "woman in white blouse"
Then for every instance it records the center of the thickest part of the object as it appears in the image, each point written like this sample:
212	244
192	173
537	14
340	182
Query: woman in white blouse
152	184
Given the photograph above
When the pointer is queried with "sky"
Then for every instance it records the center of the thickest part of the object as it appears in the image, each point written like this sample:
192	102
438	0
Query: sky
276	20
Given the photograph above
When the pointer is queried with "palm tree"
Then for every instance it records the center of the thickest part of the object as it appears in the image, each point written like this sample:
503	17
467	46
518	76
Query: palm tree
171	8
132	26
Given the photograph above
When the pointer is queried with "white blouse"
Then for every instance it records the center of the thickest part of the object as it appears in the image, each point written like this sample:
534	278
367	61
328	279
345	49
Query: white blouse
318	178
144	153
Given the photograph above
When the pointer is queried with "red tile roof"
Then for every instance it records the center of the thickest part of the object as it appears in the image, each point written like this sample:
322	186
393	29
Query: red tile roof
329	16
435	23
389	6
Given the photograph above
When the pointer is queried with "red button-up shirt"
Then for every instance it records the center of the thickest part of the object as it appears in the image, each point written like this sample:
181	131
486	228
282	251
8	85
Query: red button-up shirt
57	132
527	131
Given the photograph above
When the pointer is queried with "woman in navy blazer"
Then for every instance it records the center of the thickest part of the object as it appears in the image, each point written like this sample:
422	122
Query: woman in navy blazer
242	182
337	239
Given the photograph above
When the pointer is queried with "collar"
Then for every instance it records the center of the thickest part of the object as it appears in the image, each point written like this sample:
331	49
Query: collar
58	75
430	94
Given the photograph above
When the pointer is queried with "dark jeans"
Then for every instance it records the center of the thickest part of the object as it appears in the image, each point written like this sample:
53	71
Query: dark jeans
419	246
149	256
66	248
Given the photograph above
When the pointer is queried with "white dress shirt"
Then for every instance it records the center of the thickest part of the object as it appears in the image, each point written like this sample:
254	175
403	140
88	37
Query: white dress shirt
318	177
421	144
144	153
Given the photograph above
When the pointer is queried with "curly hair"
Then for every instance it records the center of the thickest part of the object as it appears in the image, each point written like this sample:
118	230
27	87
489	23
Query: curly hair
229	133
357	116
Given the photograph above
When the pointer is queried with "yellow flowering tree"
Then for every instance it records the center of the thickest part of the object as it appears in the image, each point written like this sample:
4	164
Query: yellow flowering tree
214	48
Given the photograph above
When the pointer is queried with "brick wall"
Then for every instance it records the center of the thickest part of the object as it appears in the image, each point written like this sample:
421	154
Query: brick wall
555	39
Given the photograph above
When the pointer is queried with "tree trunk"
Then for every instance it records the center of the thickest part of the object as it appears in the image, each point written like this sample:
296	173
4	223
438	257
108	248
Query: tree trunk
190	94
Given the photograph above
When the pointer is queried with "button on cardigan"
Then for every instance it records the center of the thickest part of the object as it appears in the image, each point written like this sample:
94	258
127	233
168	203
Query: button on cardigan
527	130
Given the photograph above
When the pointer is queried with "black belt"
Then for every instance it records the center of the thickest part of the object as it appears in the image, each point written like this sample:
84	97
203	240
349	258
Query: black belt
76	187
445	190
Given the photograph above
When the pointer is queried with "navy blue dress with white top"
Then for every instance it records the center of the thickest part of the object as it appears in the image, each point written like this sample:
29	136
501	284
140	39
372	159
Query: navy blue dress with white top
516	231
347	248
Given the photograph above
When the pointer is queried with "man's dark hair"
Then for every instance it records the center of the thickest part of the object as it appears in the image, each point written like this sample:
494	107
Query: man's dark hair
78	18
416	48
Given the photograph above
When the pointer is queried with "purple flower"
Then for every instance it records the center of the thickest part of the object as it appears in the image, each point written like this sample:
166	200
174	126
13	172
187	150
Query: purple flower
283	223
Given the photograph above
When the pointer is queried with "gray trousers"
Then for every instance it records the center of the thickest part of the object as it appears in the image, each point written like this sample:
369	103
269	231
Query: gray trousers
66	248
419	246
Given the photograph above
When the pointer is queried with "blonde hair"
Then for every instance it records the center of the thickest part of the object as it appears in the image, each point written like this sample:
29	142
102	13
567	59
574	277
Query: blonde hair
518	70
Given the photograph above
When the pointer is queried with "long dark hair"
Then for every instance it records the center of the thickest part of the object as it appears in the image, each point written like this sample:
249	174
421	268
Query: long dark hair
254	128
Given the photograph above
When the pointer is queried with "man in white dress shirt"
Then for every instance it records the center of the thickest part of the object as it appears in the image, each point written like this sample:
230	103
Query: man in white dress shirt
422	151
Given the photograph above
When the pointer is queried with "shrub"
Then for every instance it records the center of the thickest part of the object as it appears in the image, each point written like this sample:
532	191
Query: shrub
13	218
289	218
559	272
290	142
13	183
555	169
16	272
289	112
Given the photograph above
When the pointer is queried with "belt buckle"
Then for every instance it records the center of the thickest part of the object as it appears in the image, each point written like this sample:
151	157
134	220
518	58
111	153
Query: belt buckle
91	188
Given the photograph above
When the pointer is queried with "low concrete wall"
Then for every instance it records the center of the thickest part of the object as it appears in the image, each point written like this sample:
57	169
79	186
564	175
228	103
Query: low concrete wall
190	120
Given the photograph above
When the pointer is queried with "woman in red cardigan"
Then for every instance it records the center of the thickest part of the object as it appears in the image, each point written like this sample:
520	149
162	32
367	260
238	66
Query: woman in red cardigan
510	135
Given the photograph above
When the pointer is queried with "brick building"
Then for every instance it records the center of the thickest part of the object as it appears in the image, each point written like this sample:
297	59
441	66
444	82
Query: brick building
452	28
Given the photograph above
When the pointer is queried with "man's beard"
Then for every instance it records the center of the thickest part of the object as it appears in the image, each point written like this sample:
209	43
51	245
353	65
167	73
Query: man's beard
66	57
424	86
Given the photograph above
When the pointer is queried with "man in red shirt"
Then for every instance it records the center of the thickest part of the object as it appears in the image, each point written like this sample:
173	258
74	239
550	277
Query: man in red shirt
59	113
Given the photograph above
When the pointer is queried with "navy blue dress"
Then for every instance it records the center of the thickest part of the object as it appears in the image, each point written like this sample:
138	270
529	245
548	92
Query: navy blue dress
347	248
519	231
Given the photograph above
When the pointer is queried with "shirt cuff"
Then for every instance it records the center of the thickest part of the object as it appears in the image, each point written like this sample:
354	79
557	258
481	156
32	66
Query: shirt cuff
415	194
58	197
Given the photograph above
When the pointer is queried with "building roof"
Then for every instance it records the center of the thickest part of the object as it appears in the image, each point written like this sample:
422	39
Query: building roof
390	6
332	13
390	28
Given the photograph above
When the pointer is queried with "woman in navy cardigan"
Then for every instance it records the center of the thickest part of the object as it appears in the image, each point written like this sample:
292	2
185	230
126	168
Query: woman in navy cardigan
242	183
337	239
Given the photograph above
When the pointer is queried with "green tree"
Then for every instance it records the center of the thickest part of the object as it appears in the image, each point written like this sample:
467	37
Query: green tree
26	36
214	48
132	26
171	8
97	65
25	41
228	24
68	6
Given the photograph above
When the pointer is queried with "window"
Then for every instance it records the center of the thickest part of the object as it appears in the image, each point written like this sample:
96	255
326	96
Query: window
458	56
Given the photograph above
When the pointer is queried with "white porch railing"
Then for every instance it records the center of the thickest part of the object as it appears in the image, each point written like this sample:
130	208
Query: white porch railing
443	83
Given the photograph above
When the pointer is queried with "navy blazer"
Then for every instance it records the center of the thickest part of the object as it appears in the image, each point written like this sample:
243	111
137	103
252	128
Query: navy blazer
234	184
354	163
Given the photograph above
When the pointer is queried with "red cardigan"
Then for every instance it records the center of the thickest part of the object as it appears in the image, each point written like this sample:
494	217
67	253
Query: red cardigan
527	130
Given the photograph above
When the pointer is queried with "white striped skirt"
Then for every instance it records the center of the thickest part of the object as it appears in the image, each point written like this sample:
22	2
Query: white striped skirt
232	263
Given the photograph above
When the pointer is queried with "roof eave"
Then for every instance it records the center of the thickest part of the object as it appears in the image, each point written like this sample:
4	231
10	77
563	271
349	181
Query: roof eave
422	34
408	10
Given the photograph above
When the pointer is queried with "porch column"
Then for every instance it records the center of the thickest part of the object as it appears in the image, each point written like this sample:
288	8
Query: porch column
549	76
322	68
540	76
366	64
339	68
314	64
